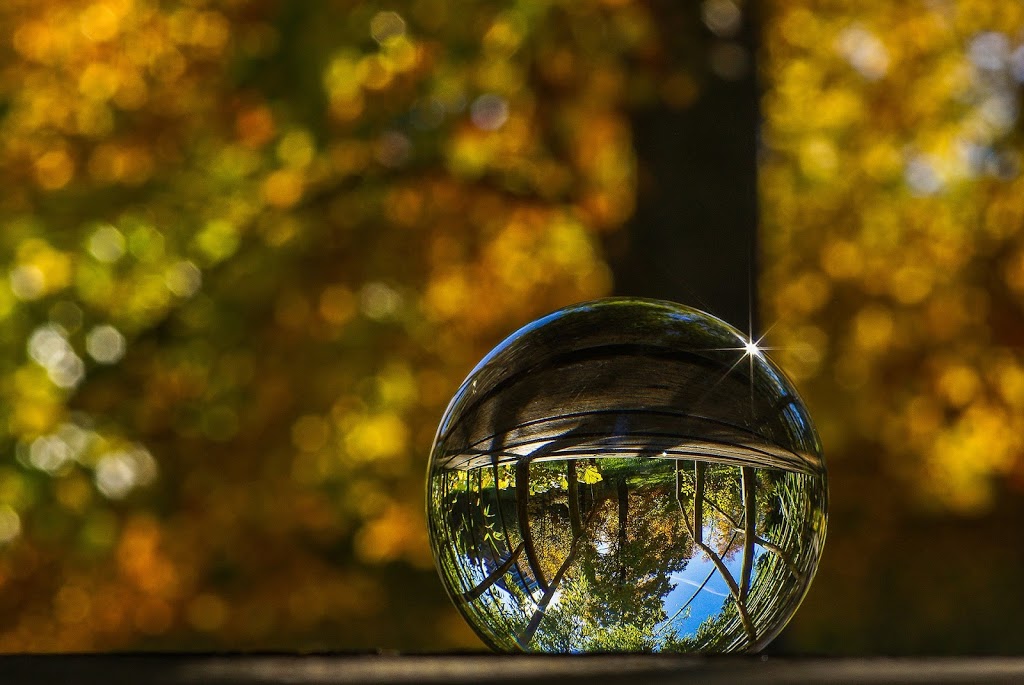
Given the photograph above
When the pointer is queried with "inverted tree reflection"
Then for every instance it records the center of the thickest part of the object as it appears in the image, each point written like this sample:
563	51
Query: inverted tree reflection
652	554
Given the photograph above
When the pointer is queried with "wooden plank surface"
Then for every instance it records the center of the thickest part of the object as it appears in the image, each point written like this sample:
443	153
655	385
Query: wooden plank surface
170	669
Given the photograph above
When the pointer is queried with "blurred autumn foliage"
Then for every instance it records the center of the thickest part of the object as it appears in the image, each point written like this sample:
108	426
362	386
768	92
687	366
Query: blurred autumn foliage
893	272
894	165
251	248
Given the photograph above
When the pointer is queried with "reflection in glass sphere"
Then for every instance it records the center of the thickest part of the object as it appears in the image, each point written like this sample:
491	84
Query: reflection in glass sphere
626	475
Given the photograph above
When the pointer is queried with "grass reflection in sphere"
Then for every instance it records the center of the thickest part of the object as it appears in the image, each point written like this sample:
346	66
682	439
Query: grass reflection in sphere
627	475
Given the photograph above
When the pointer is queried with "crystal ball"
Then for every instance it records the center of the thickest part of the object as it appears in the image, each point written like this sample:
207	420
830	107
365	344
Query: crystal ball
627	475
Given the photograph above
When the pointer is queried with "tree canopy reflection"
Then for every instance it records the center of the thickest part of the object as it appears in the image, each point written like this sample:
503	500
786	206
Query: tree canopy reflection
627	554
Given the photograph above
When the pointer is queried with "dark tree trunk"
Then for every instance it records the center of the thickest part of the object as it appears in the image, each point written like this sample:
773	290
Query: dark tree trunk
749	484
699	468
495	575
523	514
723	570
527	635
692	237
574	498
623	496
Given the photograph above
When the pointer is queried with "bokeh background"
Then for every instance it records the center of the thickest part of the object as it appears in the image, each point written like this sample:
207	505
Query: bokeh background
248	250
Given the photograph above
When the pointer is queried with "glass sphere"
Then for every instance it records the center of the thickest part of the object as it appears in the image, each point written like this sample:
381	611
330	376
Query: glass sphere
627	475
